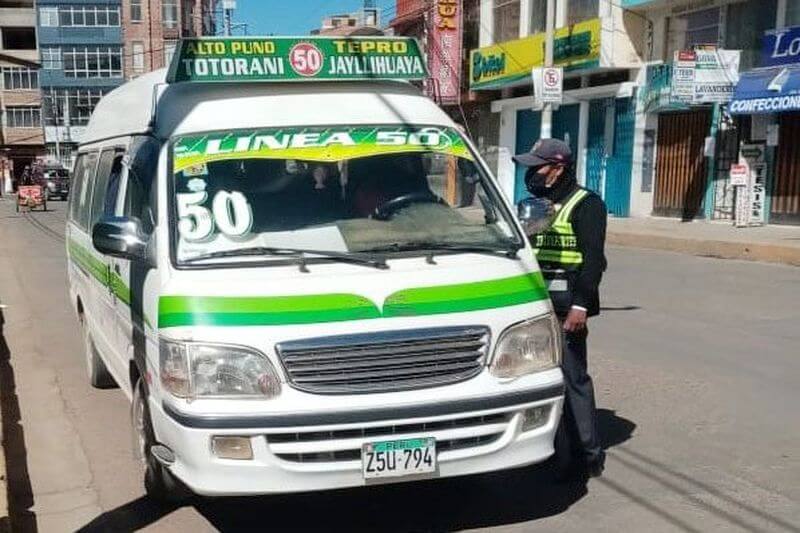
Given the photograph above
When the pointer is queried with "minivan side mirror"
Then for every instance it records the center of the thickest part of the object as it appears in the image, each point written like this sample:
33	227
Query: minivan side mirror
120	237
535	214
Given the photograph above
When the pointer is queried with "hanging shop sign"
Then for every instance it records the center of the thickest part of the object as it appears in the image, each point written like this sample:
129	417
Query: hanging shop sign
751	194
704	75
716	73
499	65
683	76
296	59
781	47
444	52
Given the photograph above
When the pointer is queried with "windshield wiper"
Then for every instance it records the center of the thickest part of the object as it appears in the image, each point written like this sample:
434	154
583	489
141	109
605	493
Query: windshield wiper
510	250
298	254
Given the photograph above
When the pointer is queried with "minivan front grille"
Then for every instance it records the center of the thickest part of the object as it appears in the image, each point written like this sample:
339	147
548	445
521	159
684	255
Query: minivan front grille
386	361
342	445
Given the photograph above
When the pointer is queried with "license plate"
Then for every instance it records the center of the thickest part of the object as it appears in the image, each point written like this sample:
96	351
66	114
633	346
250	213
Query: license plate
396	458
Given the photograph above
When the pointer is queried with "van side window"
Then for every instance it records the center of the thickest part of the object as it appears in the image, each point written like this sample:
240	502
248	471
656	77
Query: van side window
106	184
82	190
77	185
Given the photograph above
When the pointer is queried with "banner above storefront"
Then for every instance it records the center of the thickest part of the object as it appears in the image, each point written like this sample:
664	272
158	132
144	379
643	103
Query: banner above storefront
771	90
781	47
503	64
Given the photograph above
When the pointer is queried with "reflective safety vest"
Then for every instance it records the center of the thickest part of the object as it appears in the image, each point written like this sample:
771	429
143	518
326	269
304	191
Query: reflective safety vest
558	246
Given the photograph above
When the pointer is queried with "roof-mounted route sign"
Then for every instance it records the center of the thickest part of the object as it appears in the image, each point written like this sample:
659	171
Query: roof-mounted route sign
297	59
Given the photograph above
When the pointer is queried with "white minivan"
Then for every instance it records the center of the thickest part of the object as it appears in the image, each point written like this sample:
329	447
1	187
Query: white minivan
306	284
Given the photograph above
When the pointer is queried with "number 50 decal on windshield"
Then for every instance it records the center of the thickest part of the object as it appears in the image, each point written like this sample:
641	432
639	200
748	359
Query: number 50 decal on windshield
230	213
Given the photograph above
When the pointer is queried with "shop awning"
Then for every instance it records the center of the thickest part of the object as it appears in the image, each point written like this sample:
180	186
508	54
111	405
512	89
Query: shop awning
767	90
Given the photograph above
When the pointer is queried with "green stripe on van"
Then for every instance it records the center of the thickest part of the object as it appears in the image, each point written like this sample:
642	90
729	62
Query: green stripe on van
460	298
307	309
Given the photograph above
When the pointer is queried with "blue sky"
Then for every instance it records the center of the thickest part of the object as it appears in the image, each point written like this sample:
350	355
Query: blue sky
296	17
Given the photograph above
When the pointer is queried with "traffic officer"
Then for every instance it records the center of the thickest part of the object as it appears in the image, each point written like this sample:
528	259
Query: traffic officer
571	255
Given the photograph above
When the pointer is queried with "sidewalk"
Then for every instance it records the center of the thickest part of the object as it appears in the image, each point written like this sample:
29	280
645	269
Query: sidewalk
773	244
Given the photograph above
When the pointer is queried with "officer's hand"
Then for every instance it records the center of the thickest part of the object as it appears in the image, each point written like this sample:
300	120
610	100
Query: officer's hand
576	320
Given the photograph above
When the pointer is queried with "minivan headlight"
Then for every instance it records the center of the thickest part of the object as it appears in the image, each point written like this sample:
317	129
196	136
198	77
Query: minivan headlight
196	370
527	347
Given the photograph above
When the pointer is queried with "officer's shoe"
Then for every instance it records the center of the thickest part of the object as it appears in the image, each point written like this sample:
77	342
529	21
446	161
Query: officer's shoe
595	468
596	465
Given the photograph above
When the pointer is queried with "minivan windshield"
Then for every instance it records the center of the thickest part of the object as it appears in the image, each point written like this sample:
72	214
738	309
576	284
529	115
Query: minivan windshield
260	195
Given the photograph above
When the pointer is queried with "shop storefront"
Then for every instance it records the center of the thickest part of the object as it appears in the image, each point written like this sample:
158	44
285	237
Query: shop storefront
769	97
596	117
687	146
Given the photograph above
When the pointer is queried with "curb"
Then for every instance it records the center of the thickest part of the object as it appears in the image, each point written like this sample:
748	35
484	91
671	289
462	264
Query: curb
748	251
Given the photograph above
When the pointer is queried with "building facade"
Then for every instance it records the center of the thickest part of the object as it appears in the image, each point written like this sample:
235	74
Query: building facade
82	58
366	21
21	135
688	142
601	48
152	28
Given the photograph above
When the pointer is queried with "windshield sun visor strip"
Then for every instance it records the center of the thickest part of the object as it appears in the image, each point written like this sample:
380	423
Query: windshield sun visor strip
175	311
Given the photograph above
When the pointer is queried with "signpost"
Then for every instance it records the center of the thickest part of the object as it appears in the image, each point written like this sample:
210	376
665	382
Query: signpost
552	85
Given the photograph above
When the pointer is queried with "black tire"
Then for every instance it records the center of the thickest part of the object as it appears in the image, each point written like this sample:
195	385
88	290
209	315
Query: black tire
159	483
99	376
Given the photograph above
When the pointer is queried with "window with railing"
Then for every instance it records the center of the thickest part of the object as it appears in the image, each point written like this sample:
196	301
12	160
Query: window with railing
792	13
136	10
169	13
580	10
747	37
73	106
48	16
51	58
538	17
138	56
693	29
15	78
23	117
88	16
506	20
92	61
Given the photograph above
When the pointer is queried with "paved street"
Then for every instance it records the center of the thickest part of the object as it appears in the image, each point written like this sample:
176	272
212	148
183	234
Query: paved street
695	361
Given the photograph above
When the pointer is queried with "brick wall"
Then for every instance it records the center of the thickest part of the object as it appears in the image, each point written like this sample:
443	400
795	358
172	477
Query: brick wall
149	32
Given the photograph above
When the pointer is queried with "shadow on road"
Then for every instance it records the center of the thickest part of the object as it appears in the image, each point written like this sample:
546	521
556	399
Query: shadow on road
20	493
132	516
620	308
496	499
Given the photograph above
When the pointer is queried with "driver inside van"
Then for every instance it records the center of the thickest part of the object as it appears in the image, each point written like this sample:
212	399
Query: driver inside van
373	181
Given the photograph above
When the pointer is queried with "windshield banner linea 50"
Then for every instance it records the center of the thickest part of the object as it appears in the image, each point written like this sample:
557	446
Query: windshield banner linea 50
316	144
297	59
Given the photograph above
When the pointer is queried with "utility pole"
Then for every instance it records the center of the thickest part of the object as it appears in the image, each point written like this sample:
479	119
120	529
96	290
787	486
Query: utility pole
547	111
227	8
54	110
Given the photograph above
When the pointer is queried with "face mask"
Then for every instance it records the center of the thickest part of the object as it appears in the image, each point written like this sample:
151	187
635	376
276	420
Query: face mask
535	182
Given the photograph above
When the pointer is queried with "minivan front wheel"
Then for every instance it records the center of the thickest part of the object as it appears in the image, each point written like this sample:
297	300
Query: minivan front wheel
159	483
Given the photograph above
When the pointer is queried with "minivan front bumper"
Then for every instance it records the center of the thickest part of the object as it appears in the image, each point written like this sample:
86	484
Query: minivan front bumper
319	451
